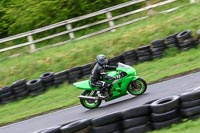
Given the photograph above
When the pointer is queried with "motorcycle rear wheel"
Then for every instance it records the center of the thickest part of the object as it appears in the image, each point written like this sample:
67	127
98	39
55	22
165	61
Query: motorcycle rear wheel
89	104
138	88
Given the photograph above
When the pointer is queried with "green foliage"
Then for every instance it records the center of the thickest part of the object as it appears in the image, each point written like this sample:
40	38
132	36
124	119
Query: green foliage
18	16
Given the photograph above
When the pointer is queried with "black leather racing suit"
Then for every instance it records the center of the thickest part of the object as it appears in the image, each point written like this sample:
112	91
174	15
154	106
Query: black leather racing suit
99	73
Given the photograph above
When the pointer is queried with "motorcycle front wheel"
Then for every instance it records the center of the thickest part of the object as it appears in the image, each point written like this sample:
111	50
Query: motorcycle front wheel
137	87
89	103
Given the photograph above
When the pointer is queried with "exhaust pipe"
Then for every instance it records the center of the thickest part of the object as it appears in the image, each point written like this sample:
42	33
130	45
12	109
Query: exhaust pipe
88	97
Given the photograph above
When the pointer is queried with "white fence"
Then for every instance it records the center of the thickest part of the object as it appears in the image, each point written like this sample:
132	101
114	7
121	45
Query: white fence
70	30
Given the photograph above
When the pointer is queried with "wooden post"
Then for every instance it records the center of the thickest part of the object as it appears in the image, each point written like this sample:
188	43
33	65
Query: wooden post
71	34
192	1
32	45
151	11
111	22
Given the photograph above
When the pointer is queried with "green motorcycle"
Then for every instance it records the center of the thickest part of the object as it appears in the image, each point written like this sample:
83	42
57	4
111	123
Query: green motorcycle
128	82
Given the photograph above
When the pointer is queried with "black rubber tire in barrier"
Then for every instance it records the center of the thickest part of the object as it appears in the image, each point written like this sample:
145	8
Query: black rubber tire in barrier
46	77
186	43
106	119
194	117
133	122
184	35
171	40
149	102
57	83
115	60
143	53
164	116
35	88
130	52
8	99
130	58
59	80
190	96
34	83
22	95
36	92
55	129
136	112
6	94
5	89
190	111
158	43
84	130
157	53
165	104
157	56
130	62
19	89
143	48
110	128
158	49
19	83
145	58
185	49
159	125
61	74
190	104
75	126
117	132
139	129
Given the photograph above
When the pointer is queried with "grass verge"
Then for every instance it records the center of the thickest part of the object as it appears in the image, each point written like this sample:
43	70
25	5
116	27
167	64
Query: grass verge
188	126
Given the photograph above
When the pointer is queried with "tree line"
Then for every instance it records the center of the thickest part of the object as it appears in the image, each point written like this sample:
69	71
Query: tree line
17	16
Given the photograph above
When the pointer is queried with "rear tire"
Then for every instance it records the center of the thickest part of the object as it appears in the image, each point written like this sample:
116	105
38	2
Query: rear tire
89	104
139	88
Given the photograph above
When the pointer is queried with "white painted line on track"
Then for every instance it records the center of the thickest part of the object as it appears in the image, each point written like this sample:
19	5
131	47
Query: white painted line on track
193	89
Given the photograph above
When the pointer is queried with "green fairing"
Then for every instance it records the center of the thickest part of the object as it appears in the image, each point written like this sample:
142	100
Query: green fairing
119	87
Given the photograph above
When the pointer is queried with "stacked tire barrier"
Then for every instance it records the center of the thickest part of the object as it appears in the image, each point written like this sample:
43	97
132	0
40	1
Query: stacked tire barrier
130	57
158	48
165	112
185	40
136	120
157	114
22	88
144	53
171	40
190	105
110	123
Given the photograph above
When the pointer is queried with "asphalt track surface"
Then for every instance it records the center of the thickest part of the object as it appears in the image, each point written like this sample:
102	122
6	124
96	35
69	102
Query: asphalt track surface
166	88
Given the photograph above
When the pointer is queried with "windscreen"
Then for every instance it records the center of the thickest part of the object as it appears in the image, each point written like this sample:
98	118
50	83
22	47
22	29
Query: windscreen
123	66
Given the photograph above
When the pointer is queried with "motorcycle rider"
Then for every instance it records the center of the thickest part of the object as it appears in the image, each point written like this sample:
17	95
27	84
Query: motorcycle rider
99	73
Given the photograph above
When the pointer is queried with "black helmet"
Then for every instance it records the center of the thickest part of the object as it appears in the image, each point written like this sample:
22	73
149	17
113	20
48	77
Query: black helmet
101	59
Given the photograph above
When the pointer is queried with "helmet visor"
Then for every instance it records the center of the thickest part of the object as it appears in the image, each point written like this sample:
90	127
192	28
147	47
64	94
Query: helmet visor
105	61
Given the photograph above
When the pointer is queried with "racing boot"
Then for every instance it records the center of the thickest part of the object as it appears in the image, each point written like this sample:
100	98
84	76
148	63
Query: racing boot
100	95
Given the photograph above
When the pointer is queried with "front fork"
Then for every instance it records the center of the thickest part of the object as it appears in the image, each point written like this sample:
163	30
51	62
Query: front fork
133	81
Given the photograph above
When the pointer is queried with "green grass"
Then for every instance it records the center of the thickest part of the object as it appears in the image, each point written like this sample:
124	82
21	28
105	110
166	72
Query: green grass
81	52
188	126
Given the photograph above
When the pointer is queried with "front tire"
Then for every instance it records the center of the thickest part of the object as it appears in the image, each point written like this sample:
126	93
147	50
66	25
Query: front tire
89	104
138	87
